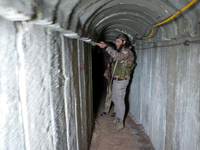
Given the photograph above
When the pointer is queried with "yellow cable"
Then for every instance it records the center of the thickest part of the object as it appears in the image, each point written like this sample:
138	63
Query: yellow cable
170	18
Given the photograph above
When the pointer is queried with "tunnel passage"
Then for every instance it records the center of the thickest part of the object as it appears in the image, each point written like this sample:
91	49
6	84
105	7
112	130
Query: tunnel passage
39	39
100	58
99	83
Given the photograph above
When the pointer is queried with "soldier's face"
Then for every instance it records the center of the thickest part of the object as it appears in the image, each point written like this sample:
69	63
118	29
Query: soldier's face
119	44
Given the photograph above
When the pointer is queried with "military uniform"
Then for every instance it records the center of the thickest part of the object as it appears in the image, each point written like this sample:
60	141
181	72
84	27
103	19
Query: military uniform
121	77
108	97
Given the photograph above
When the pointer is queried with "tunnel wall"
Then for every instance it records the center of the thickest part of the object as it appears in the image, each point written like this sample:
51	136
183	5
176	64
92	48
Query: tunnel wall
46	89
164	93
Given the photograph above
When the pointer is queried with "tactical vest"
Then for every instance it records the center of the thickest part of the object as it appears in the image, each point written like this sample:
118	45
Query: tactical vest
122	71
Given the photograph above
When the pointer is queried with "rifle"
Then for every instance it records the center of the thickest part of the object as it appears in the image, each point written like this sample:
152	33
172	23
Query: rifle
108	70
108	66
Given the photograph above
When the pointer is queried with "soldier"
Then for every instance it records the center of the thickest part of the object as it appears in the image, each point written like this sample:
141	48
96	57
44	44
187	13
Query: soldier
108	103
124	63
108	100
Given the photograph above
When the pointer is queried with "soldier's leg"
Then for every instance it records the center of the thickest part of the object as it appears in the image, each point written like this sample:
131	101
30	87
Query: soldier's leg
119	91
118	95
114	96
107	101
114	111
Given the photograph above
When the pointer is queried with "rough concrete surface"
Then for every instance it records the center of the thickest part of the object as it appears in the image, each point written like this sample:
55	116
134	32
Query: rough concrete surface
164	93
36	75
132	137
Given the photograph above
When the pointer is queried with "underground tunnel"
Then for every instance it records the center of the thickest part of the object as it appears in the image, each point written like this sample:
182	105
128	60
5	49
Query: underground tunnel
51	72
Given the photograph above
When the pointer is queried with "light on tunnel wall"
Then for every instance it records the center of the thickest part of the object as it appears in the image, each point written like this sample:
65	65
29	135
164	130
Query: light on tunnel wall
13	15
87	40
71	34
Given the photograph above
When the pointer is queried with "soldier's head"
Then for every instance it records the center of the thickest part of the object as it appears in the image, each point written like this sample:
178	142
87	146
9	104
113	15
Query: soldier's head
121	40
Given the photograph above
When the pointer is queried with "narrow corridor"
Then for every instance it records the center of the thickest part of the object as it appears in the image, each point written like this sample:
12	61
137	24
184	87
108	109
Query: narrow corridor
52	83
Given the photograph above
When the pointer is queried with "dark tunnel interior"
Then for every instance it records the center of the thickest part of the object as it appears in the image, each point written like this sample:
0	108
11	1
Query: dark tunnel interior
99	60
99	82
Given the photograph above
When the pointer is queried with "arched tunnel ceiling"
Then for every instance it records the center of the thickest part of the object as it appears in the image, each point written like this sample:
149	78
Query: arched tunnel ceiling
94	18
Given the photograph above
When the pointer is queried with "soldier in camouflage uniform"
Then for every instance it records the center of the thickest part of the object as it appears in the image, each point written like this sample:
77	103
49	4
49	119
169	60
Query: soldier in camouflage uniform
124	64
108	101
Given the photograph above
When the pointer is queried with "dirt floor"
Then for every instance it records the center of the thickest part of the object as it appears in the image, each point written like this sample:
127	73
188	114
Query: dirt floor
132	137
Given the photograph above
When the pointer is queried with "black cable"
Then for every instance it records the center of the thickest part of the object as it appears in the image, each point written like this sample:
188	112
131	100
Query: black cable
147	29
134	39
186	43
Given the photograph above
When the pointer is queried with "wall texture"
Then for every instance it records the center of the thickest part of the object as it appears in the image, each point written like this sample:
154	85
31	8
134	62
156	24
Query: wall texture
165	93
45	89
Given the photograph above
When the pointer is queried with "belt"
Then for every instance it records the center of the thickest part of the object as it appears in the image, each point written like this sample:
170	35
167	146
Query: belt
118	79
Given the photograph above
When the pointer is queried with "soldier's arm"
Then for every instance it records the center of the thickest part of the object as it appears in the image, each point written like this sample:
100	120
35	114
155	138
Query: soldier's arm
118	55
106	74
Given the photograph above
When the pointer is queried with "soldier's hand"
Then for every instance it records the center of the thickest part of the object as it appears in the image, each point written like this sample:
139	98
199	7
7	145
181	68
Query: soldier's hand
106	75
101	44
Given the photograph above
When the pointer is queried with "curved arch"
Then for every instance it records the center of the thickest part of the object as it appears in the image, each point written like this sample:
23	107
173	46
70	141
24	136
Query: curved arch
92	19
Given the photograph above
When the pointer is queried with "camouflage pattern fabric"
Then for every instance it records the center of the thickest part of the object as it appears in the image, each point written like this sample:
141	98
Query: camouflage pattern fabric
123	70
125	64
108	99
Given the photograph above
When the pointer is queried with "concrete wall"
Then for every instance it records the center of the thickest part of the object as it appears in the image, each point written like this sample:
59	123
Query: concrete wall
165	94
45	89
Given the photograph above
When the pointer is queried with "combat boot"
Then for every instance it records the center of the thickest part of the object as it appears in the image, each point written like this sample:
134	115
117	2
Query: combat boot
119	126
